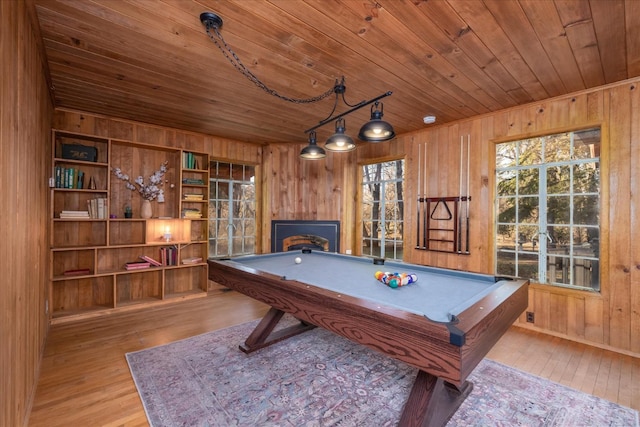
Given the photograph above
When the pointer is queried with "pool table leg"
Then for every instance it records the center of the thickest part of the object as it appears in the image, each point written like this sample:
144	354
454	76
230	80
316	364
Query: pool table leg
432	401
263	335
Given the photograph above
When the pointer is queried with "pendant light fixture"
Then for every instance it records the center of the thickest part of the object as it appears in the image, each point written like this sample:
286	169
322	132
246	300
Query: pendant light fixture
376	130
339	141
312	151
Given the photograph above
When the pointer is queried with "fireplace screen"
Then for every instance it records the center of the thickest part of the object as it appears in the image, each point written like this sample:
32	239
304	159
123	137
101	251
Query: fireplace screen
315	235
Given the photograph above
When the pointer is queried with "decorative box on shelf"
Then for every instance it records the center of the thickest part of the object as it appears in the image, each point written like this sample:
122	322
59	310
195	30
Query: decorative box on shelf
79	152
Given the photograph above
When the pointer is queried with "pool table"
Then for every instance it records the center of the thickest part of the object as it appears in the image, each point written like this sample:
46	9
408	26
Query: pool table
443	324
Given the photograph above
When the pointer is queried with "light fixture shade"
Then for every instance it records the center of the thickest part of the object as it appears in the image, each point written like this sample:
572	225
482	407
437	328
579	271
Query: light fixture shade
339	141
376	130
312	151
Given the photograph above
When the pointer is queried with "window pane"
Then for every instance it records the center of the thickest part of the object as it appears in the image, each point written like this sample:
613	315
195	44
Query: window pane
558	269
223	191
558	209
584	273
250	228
558	148
223	171
528	181
528	209
586	178
530	152
506	154
586	241
586	210
249	245
506	238
507	209
559	238
506	183
586	144
528	265
213	212
527	238
506	263
558	179
222	248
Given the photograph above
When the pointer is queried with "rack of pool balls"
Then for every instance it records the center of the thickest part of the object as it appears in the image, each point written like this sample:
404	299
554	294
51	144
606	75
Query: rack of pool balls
395	280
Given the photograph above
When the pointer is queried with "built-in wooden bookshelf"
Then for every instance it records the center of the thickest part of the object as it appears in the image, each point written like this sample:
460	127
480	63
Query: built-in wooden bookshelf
92	241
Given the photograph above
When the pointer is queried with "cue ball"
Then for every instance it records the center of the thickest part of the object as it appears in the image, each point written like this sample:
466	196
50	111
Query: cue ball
298	260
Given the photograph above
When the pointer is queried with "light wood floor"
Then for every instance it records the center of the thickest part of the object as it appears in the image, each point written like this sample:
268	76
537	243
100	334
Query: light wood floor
85	379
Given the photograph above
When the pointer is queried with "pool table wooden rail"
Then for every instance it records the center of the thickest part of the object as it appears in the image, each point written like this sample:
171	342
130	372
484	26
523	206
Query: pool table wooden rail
406	336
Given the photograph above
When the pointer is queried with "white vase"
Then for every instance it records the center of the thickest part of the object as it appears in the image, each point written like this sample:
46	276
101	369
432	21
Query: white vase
145	210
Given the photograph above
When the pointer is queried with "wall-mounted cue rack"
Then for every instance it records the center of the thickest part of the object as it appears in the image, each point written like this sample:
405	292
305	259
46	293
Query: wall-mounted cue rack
443	222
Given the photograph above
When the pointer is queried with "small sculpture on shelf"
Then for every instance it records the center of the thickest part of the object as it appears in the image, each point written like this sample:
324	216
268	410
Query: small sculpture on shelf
128	212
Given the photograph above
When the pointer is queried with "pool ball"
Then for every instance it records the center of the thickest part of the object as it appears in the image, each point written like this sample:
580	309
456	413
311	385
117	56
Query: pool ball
298	260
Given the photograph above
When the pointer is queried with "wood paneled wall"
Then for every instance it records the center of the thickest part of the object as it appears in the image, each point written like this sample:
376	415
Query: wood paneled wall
25	118
610	318
297	189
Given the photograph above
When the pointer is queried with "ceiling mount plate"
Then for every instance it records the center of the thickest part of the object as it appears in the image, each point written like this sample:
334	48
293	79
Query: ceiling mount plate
210	20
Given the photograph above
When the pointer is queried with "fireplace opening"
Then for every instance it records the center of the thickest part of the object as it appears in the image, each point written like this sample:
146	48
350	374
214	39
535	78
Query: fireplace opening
305	241
296	235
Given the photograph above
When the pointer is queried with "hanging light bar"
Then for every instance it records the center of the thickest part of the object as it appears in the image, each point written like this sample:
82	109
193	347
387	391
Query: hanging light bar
376	130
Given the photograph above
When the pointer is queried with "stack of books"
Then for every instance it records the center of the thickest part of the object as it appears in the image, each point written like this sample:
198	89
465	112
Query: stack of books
68	177
97	208
191	213
168	255
137	265
192	260
74	215
192	181
78	272
193	197
189	161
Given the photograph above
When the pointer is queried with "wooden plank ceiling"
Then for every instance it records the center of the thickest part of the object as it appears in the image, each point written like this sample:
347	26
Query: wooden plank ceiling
152	61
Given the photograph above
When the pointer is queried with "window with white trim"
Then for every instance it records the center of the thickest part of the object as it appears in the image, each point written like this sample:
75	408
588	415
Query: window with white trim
232	209
383	209
548	209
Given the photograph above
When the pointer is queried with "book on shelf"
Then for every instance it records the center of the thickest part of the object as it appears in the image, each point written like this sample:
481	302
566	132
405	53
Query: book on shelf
192	260
74	214
189	161
191	213
68	177
168	255
150	260
97	208
137	265
192	197
193	181
77	272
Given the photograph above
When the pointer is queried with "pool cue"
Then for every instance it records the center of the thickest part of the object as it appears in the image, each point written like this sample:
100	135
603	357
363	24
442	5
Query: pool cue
418	203
459	218
468	192
424	204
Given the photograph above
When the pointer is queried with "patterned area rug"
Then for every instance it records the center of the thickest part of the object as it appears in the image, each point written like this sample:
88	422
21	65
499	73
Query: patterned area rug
320	379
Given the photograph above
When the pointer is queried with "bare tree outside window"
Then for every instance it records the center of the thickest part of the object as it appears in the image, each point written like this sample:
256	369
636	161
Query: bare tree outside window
383	209
232	209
